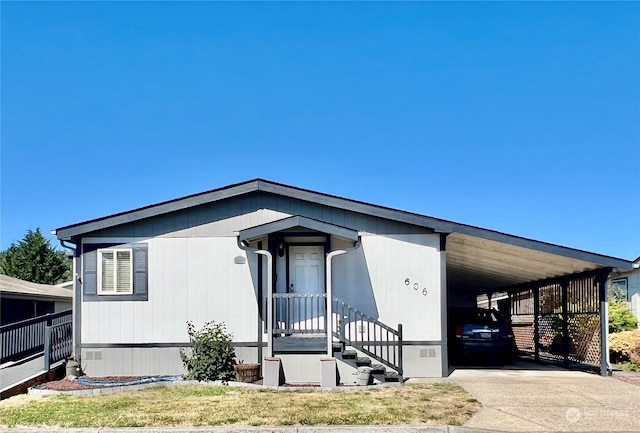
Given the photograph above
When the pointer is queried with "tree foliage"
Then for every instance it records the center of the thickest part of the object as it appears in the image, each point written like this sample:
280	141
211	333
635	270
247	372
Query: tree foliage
212	355
35	259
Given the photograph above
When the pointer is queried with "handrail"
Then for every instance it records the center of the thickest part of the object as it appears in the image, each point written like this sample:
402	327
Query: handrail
27	337
57	343
372	337
299	313
45	317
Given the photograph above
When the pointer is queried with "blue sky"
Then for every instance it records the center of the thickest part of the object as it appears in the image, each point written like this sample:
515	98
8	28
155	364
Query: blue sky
518	117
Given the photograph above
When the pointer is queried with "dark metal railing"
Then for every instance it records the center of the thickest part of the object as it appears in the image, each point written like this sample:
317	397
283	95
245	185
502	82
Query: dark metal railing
370	336
21	339
57	343
299	313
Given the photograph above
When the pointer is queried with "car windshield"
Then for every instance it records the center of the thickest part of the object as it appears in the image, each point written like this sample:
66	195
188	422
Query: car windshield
485	316
479	316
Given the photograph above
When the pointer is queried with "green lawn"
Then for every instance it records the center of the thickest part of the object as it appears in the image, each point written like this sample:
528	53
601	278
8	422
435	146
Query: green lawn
200	405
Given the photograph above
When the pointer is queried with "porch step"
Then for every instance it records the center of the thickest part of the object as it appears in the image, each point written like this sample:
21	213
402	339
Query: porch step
378	369
363	361
392	376
349	354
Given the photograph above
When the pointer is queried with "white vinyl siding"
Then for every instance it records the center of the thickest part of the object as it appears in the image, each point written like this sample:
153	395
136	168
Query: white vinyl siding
115	272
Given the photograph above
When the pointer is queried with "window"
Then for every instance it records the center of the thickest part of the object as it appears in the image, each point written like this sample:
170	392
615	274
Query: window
618	289
115	272
128	270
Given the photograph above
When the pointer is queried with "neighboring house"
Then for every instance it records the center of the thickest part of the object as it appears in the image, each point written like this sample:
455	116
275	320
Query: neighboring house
625	285
66	285
21	300
291	272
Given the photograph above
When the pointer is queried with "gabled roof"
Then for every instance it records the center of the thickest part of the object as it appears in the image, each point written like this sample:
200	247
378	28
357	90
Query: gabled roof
475	255
68	232
14	287
298	221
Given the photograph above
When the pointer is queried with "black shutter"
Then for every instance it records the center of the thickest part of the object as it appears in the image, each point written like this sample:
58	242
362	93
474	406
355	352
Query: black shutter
90	273
140	271
90	278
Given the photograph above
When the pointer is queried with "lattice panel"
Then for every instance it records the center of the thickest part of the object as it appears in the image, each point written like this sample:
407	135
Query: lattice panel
584	338
575	298
524	332
550	336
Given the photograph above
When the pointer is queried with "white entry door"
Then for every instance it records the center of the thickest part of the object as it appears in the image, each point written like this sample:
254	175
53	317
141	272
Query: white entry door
306	277
306	269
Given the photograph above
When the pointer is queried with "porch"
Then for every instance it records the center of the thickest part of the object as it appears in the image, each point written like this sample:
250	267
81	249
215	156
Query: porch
299	313
300	327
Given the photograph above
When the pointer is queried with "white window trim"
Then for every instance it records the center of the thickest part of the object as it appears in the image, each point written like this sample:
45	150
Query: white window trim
99	275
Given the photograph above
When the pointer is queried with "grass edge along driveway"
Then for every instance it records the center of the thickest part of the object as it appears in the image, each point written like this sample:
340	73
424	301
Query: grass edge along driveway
203	405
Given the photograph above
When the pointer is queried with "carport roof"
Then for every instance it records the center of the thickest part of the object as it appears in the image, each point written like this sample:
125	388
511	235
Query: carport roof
478	259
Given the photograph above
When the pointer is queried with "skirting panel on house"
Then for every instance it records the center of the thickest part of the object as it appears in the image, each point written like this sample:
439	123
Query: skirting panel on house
424	361
143	361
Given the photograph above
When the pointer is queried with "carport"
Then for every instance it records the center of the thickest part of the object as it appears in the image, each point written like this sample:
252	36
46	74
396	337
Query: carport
555	296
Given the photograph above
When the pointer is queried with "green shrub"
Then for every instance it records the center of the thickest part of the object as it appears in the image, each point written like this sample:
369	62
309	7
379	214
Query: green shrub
629	366
212	355
625	346
621	318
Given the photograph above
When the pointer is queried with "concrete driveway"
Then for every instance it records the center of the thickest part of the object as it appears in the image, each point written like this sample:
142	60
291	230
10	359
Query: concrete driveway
527	397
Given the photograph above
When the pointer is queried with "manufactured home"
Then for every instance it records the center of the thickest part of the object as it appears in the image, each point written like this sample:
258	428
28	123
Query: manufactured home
625	286
298	275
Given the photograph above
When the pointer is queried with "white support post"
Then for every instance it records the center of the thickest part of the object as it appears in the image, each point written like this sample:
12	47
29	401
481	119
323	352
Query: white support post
328	271
269	291
329	320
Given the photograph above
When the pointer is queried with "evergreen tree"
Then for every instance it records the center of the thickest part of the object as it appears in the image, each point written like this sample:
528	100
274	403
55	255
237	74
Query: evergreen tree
35	259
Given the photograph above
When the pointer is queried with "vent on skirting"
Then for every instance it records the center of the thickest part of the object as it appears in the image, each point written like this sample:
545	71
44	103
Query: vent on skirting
427	353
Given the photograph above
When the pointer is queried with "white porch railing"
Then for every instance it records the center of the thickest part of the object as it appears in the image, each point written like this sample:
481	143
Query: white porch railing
299	313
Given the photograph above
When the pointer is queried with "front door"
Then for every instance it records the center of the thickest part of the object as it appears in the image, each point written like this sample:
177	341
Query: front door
306	281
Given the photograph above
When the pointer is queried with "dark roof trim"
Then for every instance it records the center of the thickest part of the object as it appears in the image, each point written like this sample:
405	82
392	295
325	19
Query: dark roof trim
298	221
34	297
438	225
68	232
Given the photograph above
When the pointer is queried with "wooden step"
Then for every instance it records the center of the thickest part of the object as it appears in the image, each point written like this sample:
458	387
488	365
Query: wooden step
363	361
392	376
378	369
349	354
